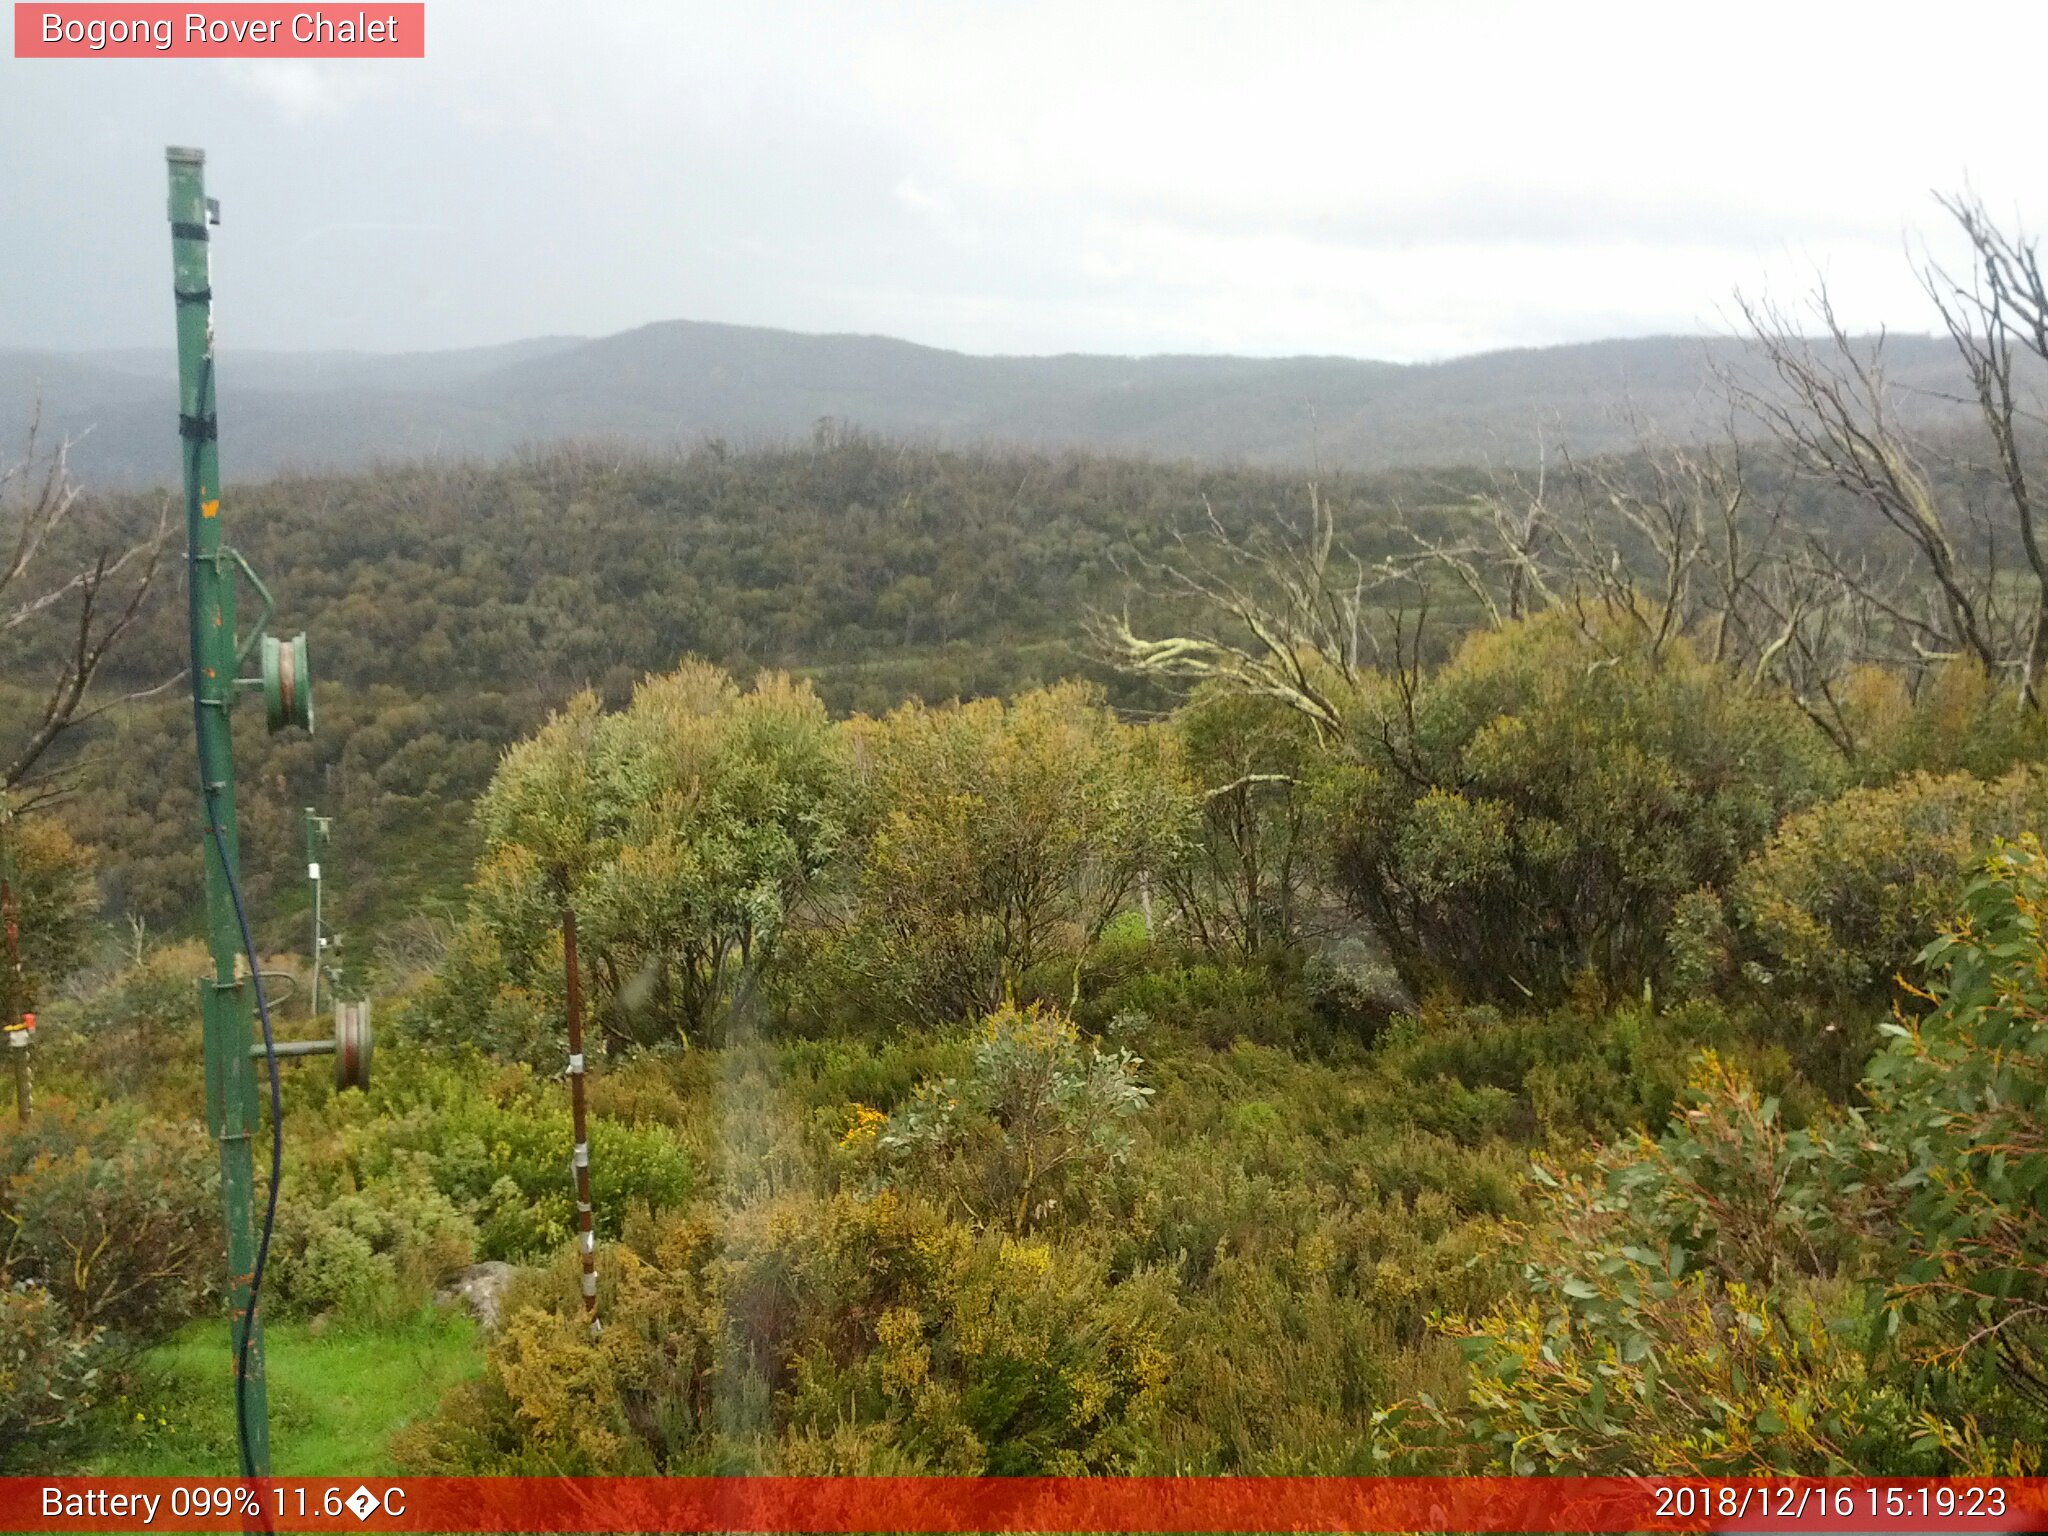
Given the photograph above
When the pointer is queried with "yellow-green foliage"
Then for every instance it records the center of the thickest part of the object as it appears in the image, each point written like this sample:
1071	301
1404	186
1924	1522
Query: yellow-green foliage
372	1255
852	1333
683	828
1243	882
107	1244
1678	1314
1029	1131
1846	893
1245	1286
111	1211
494	1142
1534	808
136	1036
998	839
1741	1297
1955	1140
1959	720
54	901
52	1373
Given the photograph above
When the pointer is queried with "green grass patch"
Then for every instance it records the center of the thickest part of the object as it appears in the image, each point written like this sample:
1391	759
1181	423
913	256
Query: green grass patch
336	1398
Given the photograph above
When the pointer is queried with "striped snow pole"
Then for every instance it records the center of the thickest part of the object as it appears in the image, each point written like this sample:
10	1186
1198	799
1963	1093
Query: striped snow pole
579	1159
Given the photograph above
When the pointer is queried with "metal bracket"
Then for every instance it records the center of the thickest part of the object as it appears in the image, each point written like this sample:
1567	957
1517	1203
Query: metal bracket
350	1046
248	644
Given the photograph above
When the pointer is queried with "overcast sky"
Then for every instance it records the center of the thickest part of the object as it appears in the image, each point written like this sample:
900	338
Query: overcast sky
1378	180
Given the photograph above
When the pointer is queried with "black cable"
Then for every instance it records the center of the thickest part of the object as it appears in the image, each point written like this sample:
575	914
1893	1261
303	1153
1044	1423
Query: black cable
276	1155
209	795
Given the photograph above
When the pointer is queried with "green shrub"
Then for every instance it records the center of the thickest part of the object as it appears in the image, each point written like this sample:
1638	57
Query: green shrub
1955	1141
1744	1297
683	828
806	1335
1957	720
997	842
1241	886
1031	1127
137	1036
371	1256
109	1240
113	1213
1569	1072
1845	894
496	1144
1534	809
54	901
1676	1317
1216	1004
52	1375
1816	928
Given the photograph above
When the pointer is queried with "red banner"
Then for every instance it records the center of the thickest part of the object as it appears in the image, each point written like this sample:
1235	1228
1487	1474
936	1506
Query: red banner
964	1504
238	31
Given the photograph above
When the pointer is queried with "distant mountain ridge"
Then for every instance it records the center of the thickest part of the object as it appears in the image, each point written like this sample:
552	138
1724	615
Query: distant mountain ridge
681	382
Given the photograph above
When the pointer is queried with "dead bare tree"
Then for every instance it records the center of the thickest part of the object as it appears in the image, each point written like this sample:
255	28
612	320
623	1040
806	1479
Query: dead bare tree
1280	613
1943	583
94	599
1672	541
1832	412
1677	541
2003	307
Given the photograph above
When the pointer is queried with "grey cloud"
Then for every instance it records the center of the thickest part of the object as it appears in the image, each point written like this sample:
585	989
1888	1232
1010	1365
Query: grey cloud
586	169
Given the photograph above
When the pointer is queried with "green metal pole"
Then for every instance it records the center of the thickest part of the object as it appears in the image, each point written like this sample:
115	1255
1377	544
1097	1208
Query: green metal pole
231	1102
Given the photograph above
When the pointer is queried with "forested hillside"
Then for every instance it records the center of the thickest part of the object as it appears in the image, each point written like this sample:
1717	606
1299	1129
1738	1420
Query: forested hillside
452	606
681	383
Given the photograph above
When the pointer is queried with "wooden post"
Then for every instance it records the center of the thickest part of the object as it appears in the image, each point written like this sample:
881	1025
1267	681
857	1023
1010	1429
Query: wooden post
19	1029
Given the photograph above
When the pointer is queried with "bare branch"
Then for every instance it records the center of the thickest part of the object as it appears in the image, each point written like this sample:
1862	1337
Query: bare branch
36	497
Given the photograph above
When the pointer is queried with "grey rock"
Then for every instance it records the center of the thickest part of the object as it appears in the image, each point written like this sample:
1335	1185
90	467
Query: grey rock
481	1288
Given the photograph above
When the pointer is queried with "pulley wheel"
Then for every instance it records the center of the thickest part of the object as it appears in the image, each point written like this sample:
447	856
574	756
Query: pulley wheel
287	683
352	1045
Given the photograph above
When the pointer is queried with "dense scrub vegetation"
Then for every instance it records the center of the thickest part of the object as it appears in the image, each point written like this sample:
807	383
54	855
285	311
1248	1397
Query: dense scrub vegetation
986	1091
453	606
1562	1043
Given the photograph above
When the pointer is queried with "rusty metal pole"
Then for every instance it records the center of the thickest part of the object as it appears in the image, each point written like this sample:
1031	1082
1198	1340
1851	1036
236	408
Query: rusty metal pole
19	1023
586	1222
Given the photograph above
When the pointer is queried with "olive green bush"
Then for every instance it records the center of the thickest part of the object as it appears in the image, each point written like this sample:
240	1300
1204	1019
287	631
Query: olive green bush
1957	720
134	1035
1534	809
55	902
1811	936
997	843
848	1334
1029	1130
1679	1315
493	1142
108	1242
1740	1296
52	1374
1954	1143
1243	885
683	829
373	1255
113	1212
